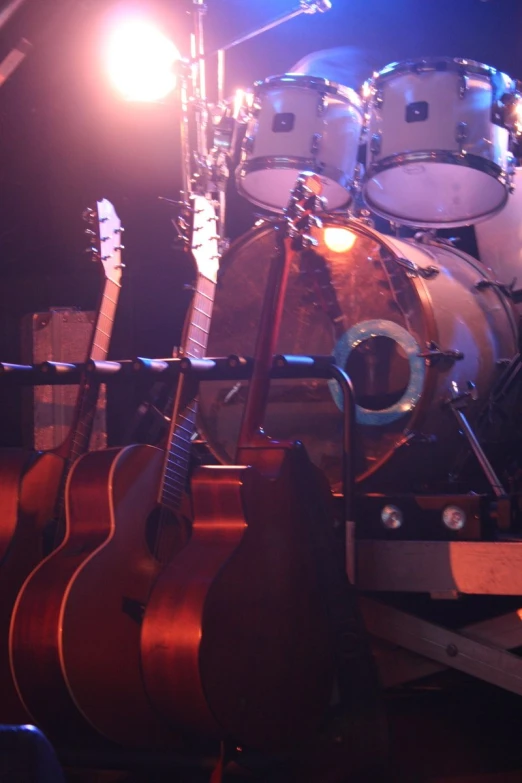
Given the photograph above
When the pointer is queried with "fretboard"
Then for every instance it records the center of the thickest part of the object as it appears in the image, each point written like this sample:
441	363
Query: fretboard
183	425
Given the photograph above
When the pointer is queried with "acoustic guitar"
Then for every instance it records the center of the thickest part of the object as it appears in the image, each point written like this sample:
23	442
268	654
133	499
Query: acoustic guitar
33	520
81	662
237	642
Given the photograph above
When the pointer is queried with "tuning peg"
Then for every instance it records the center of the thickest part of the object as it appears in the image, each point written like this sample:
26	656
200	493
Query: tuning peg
88	214
120	247
119	230
89	232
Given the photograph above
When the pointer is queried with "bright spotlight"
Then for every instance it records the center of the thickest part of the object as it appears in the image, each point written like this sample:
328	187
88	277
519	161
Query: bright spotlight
139	60
338	239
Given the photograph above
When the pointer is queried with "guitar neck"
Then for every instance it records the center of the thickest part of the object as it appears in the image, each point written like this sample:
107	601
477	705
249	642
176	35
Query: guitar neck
77	442
183	423
106	248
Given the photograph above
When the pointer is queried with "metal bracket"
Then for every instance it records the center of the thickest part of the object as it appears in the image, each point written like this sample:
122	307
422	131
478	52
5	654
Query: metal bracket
434	353
415	270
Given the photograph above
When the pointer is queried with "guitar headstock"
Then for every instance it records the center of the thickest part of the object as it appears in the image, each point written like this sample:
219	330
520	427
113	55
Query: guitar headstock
301	213
203	236
105	231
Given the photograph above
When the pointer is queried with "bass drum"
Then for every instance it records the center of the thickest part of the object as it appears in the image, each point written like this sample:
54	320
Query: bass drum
413	325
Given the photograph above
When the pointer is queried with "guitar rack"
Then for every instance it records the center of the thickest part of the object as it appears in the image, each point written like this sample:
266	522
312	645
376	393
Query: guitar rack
411	646
229	368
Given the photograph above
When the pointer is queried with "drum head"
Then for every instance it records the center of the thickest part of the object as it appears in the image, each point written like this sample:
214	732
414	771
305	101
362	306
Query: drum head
437	195
347	297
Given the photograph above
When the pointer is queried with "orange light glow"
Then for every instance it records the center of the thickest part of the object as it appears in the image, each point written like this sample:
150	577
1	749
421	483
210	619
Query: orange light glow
139	60
339	239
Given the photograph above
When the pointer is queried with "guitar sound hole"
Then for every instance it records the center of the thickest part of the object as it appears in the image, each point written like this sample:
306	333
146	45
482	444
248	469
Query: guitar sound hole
167	532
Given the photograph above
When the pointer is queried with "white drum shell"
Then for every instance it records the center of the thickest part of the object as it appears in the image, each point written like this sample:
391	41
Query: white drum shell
477	323
419	173
324	139
499	240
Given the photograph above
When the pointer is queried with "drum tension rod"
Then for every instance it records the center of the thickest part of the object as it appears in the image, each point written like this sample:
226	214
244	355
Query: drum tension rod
515	294
414	269
434	353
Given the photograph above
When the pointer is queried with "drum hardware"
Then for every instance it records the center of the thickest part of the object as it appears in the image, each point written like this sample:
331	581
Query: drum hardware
375	144
414	270
434	354
463	86
430	237
316	143
508	290
415	437
456	405
461	135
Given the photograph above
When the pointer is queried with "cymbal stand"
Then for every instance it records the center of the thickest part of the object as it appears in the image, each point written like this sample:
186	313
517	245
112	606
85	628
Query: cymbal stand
207	171
305	7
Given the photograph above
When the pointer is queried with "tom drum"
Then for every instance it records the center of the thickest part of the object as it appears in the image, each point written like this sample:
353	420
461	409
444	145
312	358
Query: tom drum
438	140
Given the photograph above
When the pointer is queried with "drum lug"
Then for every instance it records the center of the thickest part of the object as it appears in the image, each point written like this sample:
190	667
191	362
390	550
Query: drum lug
434	354
507	290
463	86
322	103
379	98
461	134
376	144
316	143
511	169
248	145
414	270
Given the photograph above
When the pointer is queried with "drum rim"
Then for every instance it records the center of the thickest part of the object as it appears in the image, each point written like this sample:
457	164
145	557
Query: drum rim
427	65
290	162
469	160
303	80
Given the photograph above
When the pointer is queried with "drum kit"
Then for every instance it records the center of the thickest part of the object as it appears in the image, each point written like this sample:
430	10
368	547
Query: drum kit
420	326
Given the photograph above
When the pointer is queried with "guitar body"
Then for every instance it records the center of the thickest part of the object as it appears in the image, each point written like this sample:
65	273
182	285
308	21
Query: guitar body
13	463
236	640
30	484
32	498
81	663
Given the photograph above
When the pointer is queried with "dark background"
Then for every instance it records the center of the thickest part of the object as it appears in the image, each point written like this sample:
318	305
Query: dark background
66	139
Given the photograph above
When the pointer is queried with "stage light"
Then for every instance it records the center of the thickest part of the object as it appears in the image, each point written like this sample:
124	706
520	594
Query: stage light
454	517
339	240
391	517
139	60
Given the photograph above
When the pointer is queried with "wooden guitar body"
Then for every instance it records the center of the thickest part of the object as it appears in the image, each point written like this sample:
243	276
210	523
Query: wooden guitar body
32	483
236	641
13	463
34	480
79	665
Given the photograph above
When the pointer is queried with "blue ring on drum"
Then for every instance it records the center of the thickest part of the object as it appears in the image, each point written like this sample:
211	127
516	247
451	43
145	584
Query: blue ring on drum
381	328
